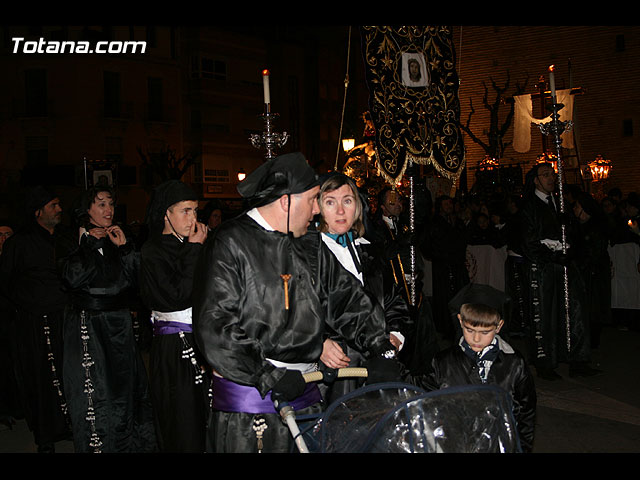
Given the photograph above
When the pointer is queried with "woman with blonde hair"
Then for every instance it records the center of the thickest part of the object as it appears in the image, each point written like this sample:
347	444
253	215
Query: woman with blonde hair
342	223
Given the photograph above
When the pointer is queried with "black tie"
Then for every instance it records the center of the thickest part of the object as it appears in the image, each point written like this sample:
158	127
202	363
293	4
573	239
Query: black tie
551	203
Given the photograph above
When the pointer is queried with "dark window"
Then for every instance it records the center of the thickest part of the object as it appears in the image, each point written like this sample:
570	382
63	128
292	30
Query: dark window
196	120
216	69
627	127
155	98
151	36
112	94
35	85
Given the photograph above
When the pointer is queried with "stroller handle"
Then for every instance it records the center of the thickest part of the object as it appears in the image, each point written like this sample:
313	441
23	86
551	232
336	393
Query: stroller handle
342	373
287	413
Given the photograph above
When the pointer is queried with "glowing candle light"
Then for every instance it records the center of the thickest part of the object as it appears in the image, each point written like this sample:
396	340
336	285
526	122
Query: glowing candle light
265	83
552	82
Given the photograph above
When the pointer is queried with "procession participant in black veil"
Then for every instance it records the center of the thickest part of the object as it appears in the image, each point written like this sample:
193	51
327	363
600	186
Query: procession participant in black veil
342	227
541	240
105	378
32	284
264	292
179	387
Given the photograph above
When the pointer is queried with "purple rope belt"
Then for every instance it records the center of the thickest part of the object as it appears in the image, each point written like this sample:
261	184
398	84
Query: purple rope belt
229	396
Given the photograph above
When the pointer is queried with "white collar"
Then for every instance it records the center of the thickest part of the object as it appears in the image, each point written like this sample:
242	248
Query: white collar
259	219
388	221
544	196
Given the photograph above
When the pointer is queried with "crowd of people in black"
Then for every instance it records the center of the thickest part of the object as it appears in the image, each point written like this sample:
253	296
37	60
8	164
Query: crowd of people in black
231	313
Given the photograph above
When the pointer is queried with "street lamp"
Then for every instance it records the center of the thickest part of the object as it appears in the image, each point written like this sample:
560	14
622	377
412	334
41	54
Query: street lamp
348	144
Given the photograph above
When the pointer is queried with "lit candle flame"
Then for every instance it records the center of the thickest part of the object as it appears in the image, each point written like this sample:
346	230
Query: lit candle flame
265	83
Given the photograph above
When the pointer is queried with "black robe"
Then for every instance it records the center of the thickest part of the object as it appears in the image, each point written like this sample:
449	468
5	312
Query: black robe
31	283
240	319
179	389
545	281
115	415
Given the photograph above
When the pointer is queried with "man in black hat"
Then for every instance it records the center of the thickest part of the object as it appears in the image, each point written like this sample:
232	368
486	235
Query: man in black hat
265	291
179	387
31	281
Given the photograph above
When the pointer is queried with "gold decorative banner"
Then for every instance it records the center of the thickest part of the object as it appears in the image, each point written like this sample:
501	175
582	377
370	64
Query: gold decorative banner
413	98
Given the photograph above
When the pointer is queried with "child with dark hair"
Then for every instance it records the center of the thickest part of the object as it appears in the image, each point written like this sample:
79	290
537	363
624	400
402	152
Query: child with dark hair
481	356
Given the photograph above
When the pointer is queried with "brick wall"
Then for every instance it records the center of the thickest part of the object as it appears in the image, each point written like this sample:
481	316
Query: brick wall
590	57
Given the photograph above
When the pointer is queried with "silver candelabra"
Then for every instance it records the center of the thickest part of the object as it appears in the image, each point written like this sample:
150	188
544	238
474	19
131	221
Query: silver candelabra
268	139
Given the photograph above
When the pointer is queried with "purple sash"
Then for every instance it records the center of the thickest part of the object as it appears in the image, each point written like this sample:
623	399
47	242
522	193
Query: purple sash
232	397
162	327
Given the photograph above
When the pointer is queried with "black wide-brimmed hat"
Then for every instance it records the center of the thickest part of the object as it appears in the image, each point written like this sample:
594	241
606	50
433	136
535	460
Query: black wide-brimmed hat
477	293
164	195
286	174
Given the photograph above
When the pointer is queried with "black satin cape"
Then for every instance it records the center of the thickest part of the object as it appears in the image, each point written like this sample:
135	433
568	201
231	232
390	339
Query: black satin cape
240	320
239	303
99	285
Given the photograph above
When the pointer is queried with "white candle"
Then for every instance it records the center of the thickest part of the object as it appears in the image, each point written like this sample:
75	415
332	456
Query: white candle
552	82
265	82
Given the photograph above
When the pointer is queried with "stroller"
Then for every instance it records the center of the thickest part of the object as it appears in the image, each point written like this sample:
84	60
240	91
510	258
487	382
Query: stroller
402	418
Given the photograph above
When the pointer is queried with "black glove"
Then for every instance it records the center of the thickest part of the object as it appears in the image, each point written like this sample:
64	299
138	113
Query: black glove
289	387
380	370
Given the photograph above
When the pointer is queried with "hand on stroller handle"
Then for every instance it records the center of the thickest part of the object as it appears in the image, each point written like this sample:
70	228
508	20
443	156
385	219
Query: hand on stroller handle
288	414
